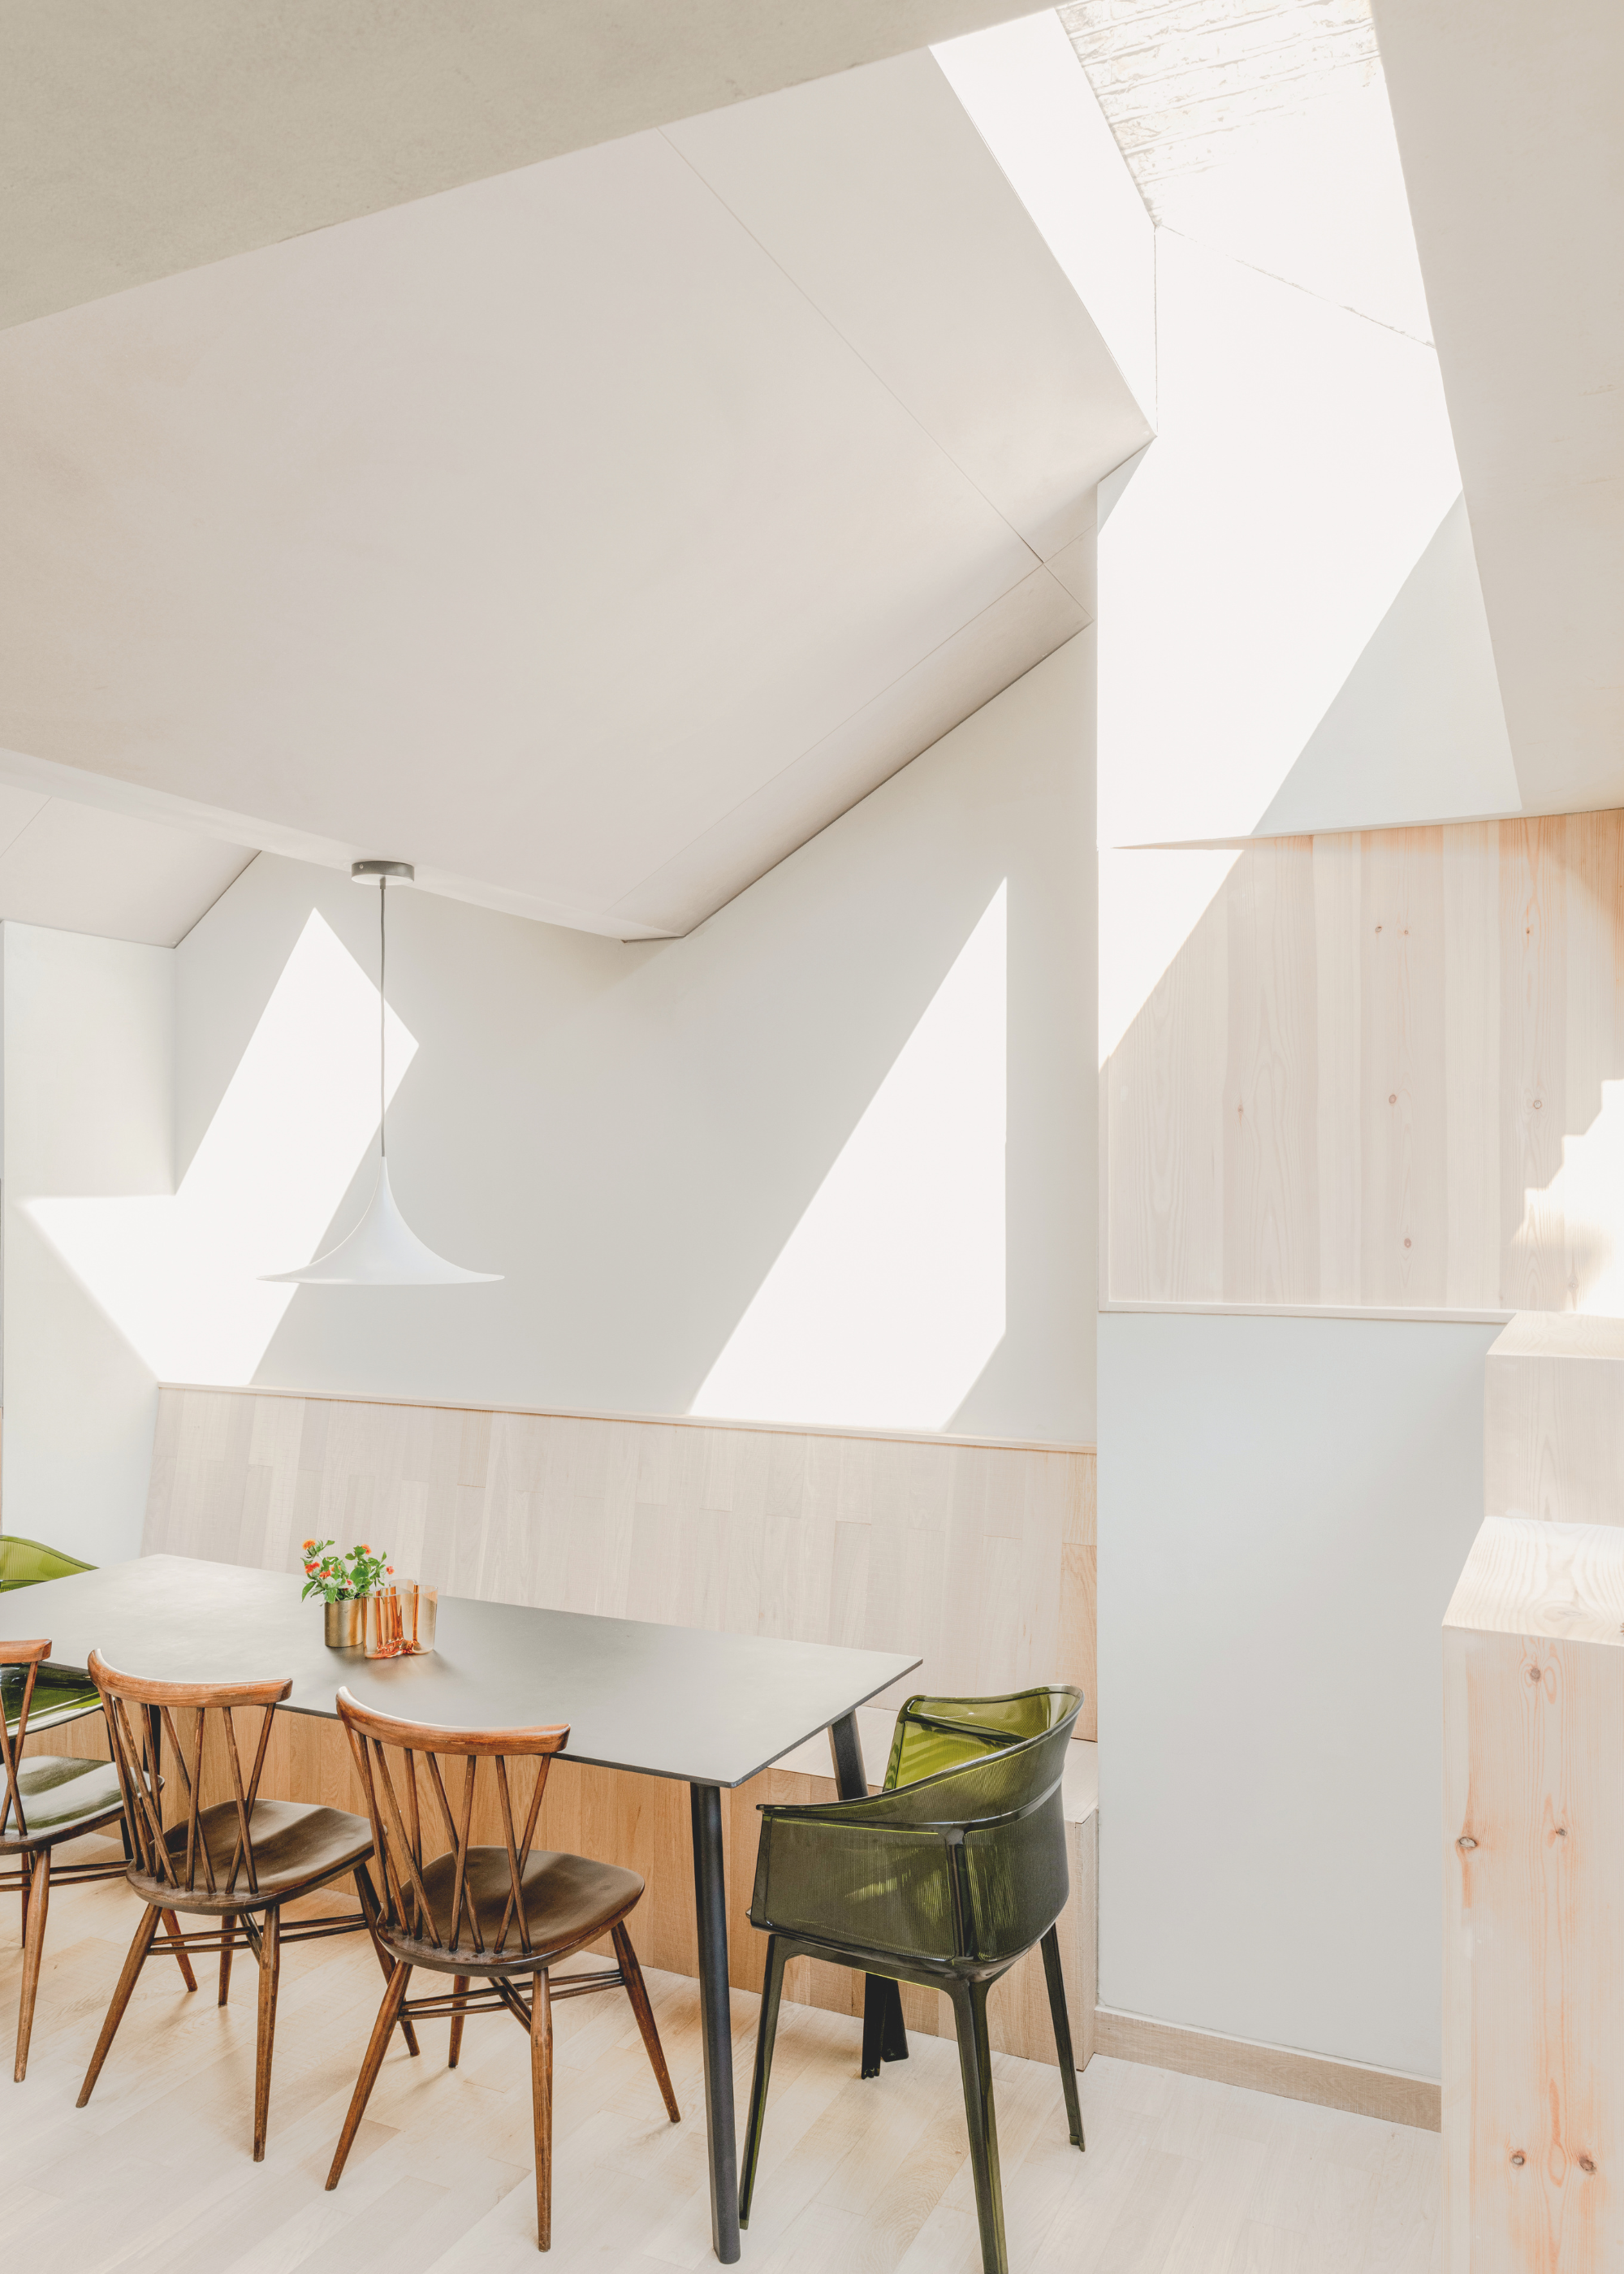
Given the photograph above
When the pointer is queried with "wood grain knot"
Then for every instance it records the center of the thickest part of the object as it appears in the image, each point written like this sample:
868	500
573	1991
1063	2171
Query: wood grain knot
1517	2156
1465	1840
1587	2163
1534	1674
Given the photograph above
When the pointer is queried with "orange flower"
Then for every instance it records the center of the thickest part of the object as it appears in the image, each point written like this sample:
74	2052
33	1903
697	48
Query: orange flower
361	1550
389	1569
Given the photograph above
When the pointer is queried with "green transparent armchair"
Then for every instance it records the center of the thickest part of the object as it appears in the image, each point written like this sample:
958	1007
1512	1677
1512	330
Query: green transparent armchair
60	1694
945	1876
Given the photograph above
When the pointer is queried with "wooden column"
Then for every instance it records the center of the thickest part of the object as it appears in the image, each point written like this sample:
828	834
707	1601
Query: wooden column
1533	2107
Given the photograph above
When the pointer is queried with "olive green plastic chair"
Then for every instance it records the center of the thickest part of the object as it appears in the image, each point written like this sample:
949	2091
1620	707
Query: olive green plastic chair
59	1694
945	1878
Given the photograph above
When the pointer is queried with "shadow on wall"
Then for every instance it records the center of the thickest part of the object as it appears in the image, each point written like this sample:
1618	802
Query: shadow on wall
1383	1069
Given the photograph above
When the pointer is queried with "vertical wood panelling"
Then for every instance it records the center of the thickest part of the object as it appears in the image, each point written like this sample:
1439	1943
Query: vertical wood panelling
1403	1130
980	1558
1338	936
1472	957
1270	1185
1367	1077
1533	1062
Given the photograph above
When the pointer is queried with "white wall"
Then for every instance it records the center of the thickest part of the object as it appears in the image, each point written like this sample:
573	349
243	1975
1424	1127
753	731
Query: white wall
1285	1505
632	1134
88	1059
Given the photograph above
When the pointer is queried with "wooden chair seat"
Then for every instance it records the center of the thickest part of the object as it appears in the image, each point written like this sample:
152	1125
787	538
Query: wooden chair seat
297	1847
61	1798
568	1900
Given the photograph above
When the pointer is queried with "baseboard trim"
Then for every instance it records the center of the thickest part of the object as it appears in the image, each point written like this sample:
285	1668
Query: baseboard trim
1386	2093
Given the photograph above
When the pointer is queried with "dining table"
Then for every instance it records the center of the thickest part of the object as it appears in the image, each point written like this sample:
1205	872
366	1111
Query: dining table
709	1708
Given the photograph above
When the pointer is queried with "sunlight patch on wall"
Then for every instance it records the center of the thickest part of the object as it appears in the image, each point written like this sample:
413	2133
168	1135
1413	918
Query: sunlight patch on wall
1582	1209
888	1298
179	1274
1304	463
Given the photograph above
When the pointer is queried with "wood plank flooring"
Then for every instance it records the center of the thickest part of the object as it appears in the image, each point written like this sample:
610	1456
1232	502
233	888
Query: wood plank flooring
1182	2176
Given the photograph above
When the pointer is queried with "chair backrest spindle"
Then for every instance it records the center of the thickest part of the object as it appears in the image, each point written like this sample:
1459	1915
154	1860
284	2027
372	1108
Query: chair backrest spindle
412	1804
175	1855
28	1656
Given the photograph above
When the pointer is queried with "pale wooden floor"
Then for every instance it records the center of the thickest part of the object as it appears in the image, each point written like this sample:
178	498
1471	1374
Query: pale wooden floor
1181	2176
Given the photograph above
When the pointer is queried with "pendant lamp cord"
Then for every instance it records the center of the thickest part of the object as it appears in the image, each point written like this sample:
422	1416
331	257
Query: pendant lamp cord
383	1148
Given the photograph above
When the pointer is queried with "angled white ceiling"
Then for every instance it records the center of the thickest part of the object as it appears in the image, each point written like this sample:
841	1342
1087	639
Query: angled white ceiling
1509	124
76	868
590	535
142	140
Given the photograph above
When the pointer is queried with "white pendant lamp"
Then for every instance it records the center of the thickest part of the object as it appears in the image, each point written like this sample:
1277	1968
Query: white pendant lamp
382	1251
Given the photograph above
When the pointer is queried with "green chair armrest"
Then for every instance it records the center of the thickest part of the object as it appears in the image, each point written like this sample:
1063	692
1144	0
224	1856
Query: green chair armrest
25	1563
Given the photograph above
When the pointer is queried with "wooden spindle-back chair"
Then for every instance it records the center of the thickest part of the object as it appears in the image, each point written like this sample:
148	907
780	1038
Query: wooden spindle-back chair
236	1860
495	1912
45	1800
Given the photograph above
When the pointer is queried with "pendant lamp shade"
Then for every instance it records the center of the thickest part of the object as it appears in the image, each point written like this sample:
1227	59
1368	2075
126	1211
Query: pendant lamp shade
383	1250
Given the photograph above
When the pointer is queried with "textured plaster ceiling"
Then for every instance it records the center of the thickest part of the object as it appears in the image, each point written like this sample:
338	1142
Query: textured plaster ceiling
136	141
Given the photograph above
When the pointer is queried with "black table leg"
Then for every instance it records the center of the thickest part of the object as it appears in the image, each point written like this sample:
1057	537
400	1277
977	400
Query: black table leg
884	2037
845	1744
710	1920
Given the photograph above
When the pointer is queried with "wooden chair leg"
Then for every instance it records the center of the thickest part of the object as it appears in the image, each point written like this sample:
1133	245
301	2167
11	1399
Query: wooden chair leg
766	2031
26	1862
541	2103
172	1925
636	1990
975	2066
1063	2037
270	1975
134	1964
33	1950
229	1929
389	2012
459	1989
369	1906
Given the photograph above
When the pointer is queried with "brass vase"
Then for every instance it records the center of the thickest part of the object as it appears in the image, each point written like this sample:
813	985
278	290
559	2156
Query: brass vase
344	1623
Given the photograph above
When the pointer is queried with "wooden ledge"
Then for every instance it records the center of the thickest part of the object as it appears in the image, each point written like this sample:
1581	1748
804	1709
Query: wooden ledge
1385	2093
641	1421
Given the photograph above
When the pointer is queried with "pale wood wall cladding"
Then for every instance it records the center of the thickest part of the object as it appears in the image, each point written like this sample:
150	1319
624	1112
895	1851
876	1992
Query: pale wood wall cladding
1533	2100
1553	1419
1360	1083
979	1557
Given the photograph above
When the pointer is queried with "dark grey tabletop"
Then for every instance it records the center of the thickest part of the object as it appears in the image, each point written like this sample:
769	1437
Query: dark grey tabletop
666	1701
